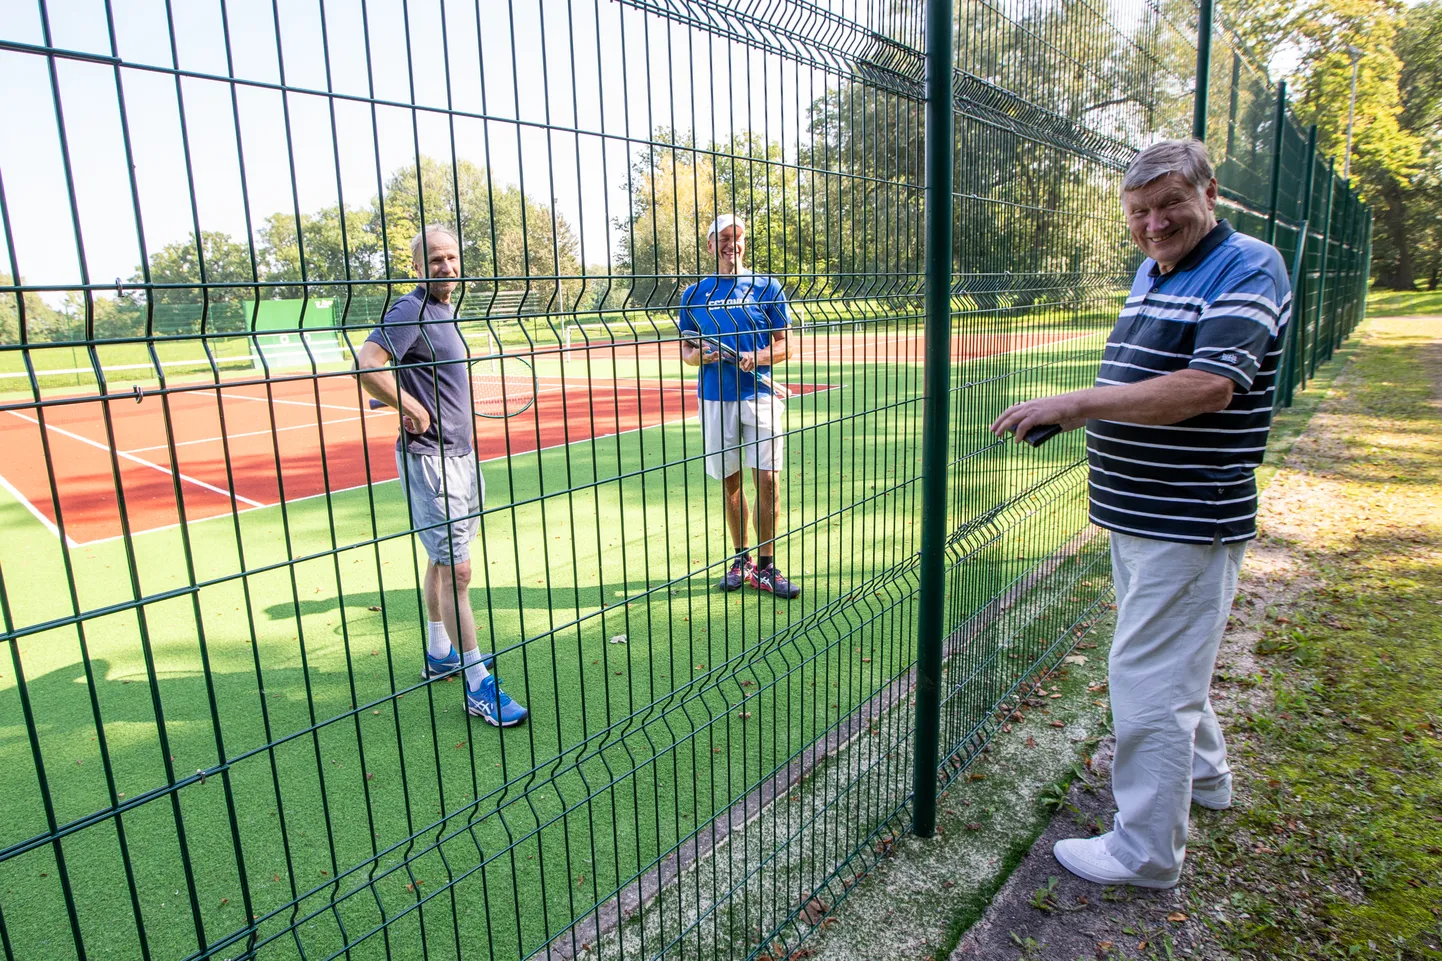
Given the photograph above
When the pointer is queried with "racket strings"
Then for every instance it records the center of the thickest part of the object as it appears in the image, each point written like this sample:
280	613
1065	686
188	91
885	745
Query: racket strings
502	387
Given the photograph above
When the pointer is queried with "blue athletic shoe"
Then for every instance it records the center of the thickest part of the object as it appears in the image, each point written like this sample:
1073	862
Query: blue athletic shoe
482	703
450	664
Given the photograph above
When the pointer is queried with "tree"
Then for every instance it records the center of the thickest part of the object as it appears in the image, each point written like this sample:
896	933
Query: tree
176	270
1419	44
522	243
43	323
1387	150
329	254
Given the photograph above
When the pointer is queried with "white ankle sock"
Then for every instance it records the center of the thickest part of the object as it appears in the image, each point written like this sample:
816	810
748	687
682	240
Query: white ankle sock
475	671
438	644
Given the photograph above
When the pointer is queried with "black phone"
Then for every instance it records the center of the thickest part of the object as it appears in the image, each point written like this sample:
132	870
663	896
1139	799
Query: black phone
1042	433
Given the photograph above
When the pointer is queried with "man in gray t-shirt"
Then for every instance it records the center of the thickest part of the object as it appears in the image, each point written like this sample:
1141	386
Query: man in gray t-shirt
416	362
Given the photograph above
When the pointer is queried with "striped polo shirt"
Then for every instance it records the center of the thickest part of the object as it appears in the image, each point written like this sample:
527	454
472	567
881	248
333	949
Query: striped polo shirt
1223	309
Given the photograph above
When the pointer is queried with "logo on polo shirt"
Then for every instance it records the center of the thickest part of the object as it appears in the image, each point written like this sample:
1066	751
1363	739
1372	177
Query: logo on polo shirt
1230	358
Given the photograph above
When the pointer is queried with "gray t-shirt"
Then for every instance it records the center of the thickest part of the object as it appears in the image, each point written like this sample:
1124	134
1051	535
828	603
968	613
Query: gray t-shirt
421	335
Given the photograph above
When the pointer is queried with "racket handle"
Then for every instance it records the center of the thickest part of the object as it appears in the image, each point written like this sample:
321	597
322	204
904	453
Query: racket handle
1042	433
376	404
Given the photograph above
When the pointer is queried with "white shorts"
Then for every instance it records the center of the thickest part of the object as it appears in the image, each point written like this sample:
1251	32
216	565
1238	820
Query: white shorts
750	431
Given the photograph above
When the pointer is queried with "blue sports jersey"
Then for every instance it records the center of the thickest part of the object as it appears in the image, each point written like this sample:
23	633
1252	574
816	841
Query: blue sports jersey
740	312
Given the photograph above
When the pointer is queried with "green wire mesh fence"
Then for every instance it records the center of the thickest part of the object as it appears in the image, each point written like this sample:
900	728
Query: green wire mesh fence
214	738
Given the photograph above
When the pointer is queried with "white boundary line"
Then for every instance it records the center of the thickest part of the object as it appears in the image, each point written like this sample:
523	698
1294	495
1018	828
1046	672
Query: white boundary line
820	389
141	461
249	433
25	503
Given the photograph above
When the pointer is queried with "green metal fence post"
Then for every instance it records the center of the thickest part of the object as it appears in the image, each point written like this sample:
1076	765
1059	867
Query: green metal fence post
1322	265
934	426
1279	122
1366	269
1204	69
1296	331
1344	314
1232	106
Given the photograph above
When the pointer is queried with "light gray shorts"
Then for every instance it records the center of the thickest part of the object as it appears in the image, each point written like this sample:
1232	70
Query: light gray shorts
446	495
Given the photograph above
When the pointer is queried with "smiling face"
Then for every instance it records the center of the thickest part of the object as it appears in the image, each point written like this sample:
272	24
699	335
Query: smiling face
443	259
1169	216
728	246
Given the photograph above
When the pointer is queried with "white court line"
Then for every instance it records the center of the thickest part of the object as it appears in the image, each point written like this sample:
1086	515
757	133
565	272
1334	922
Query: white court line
25	502
296	403
248	433
141	461
821	389
378	412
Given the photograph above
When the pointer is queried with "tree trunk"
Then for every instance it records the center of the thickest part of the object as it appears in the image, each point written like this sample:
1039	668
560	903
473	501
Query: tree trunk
1401	273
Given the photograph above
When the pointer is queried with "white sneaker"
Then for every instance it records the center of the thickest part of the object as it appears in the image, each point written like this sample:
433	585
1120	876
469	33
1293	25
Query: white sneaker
1217	798
1088	858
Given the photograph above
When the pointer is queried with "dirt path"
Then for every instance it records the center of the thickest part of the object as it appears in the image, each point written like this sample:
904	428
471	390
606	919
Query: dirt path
1330	687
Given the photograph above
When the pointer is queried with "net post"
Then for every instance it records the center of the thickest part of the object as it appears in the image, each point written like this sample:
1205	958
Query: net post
937	379
1204	70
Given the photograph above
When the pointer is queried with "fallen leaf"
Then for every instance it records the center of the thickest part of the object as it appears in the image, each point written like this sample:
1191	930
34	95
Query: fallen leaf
973	826
619	639
1030	741
1176	917
1077	659
1103	946
1058	724
374	607
814	911
744	715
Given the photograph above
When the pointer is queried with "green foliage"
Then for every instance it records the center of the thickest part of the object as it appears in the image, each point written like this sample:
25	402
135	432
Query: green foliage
42	322
504	234
217	259
1397	126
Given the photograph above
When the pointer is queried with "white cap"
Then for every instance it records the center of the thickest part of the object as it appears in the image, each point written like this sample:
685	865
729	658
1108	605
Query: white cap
722	222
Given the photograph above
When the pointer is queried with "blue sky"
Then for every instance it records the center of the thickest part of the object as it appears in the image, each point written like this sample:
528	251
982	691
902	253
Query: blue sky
669	75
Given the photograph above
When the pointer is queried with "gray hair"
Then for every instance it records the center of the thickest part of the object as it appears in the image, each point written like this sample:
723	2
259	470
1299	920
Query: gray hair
1186	157
419	240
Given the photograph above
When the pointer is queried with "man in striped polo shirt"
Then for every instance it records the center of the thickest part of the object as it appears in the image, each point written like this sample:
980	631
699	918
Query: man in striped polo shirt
1176	425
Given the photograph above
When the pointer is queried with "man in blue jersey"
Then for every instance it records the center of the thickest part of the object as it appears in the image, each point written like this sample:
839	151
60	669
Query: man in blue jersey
741	422
417	363
1176	425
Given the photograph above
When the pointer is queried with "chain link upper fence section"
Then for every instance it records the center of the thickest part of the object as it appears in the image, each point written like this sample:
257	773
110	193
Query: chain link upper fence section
215	739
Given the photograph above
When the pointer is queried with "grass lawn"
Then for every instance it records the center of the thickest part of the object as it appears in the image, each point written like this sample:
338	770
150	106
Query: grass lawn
1336	850
262	745
1403	303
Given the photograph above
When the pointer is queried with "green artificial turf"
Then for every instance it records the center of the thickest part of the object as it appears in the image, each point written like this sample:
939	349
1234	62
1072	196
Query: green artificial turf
357	799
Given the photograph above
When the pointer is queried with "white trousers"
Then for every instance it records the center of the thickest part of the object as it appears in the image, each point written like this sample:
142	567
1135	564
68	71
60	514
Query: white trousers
1172	606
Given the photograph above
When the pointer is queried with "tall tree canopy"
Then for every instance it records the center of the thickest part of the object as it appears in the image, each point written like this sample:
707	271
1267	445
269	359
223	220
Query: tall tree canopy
1397	128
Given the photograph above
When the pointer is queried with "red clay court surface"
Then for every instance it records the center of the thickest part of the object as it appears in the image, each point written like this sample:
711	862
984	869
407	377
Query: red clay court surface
320	440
